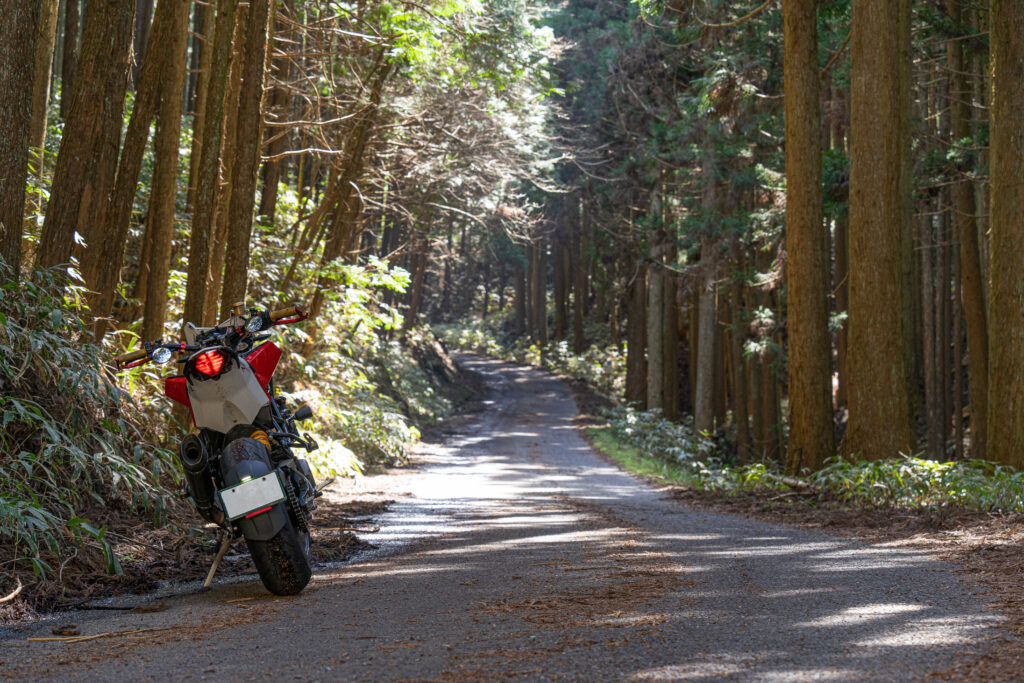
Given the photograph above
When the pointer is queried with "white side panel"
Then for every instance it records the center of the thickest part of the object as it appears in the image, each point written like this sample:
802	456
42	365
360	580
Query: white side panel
232	399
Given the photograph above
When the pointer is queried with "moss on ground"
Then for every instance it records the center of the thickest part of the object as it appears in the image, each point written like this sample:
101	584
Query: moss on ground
633	459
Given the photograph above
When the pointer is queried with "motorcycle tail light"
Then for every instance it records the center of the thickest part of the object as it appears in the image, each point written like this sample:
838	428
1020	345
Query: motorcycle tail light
210	363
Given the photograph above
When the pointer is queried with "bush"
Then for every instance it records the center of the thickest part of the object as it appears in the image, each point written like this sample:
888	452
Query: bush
917	483
70	439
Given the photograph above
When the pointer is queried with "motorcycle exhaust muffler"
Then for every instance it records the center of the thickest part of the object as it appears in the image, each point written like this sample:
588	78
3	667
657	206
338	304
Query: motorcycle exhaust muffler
196	465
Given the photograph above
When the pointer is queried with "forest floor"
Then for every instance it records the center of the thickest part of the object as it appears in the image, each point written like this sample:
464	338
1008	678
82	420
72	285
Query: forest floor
514	551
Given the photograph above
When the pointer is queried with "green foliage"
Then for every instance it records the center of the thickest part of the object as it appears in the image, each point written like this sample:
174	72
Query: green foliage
906	482
369	395
69	437
649	432
918	483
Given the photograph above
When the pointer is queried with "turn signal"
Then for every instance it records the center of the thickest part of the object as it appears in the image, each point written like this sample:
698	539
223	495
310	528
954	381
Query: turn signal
210	363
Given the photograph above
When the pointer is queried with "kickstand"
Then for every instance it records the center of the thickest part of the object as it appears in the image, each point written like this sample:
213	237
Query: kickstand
225	542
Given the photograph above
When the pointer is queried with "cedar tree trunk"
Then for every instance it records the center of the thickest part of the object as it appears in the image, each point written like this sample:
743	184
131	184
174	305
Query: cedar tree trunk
1006	286
87	161
18	31
811	434
880	419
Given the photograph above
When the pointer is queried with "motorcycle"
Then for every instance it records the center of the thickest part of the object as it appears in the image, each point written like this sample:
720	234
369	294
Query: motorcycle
240	468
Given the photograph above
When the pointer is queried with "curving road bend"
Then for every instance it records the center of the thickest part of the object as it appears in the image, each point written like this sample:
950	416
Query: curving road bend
519	553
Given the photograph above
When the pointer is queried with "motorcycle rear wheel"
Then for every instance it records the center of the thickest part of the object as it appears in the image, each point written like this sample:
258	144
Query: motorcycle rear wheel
284	561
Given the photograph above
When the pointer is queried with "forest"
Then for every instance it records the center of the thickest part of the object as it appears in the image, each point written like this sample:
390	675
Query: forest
777	237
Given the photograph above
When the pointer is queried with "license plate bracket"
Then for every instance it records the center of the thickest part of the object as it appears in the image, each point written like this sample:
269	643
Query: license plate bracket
249	496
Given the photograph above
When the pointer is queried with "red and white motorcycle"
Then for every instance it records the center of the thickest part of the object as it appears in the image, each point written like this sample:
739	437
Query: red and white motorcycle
240	467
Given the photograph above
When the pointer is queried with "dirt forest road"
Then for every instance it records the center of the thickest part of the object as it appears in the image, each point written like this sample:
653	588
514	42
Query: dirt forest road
519	553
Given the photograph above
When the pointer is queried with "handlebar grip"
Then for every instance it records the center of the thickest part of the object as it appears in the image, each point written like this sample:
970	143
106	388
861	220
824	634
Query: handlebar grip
134	355
290	312
132	359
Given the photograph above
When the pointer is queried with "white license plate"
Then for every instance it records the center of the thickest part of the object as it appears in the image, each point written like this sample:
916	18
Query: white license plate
252	495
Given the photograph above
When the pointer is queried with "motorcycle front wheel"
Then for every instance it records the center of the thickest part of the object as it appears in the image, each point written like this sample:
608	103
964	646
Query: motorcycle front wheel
284	561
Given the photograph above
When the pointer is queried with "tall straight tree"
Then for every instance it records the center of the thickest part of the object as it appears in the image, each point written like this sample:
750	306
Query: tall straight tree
87	160
811	438
18	31
965	217
209	165
879	402
45	41
1006	287
99	263
247	158
227	164
69	53
160	232
280	99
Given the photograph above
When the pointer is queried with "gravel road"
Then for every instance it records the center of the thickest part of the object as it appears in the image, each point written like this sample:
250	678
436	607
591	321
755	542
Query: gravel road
519	553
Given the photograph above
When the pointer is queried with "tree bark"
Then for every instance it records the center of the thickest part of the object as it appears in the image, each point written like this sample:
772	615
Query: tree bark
670	342
228	148
721	390
737	338
143	19
879	401
247	161
636	340
18	32
45	40
966	226
1006	287
102	262
87	161
655	333
561	281
704	396
280	100
205	21
209	167
931	399
811	433
70	49
538	291
519	283
160	232
943	306
579	274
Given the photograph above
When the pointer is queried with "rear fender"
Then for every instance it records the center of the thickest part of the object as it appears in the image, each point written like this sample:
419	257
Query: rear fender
249	458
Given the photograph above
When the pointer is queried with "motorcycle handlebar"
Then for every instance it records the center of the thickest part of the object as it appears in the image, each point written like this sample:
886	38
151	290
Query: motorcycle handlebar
137	358
285	316
292	314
